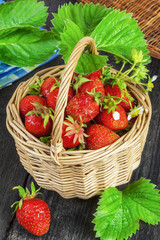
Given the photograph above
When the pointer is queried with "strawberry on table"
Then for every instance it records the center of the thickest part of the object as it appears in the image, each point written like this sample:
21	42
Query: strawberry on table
72	133
99	136
39	121
114	90
116	120
26	104
47	85
32	213
52	97
84	107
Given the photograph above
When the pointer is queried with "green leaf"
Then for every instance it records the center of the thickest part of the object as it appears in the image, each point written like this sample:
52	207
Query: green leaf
26	46
146	199
68	42
67	12
86	18
118	213
118	33
87	62
22	13
93	15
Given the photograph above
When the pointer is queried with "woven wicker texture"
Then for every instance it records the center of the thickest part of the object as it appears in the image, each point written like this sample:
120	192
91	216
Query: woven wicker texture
147	13
82	173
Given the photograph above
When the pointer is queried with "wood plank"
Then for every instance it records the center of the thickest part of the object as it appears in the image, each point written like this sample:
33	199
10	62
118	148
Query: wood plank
71	219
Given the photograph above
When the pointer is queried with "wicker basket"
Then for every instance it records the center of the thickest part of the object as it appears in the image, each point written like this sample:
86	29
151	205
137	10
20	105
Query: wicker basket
82	173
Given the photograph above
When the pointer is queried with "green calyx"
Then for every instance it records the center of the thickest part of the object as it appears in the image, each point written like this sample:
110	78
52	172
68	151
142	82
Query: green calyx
55	85
46	140
111	102
42	111
24	195
79	81
106	75
97	96
35	89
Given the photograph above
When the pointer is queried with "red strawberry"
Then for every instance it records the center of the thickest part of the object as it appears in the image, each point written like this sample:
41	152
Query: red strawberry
35	125
116	91
99	136
26	104
75	75
115	121
32	213
83	107
39	122
97	73
94	84
52	97
47	85
72	133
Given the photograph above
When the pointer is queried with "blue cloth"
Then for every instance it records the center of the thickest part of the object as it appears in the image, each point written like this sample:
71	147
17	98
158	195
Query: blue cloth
10	74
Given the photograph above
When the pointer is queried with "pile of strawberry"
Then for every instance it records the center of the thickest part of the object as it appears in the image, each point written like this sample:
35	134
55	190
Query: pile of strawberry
95	115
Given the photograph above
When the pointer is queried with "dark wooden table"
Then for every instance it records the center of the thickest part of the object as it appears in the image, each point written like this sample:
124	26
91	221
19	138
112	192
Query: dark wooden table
71	219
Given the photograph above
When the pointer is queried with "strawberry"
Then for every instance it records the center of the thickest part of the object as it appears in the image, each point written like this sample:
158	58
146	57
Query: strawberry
72	133
99	136
94	84
39	121
83	107
32	213
97	73
52	97
114	121
35	125
47	85
75	75
26	104
116	91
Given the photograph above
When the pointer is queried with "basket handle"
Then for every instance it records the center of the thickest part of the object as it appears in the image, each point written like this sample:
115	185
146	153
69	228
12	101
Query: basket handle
56	143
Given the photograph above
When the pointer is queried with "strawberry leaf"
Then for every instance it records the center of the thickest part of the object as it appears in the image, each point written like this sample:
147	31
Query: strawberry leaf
86	18
30	44
146	199
118	33
68	42
118	213
22	13
114	32
87	62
